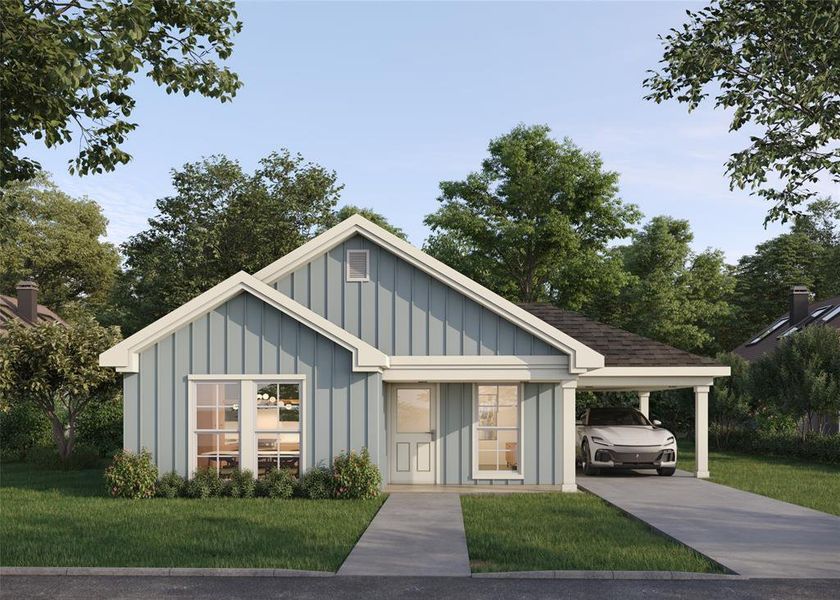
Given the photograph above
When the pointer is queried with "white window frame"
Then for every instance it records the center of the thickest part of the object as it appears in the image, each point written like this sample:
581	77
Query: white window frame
247	416
347	265
512	475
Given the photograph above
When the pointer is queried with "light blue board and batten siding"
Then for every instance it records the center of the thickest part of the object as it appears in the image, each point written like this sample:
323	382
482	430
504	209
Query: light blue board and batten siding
402	310
541	435
344	409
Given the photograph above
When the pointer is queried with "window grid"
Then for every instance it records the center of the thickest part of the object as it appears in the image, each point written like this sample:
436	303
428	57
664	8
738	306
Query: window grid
218	423
277	430
495	404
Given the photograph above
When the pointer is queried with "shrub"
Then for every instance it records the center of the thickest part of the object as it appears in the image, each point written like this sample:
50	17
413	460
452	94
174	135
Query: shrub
813	447
205	483
47	458
22	428
131	475
277	483
355	475
101	426
170	485
318	483
241	485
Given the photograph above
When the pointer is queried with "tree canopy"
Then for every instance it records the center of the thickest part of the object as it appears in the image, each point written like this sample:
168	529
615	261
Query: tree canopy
55	239
219	221
66	69
534	223
348	210
774	65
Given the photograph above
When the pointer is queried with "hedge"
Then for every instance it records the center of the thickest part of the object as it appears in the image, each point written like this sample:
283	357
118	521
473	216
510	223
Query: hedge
813	447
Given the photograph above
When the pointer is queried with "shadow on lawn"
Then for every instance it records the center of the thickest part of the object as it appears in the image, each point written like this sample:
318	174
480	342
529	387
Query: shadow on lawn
84	483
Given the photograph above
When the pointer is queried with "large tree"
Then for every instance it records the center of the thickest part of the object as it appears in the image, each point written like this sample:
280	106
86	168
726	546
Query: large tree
57	240
674	295
534	223
348	210
67	67
773	64
220	220
807	255
55	369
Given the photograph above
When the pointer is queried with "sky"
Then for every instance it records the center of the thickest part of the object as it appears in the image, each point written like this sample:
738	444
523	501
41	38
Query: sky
396	97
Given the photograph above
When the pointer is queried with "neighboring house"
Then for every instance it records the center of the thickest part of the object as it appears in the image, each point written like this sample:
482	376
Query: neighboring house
24	309
358	339
802	313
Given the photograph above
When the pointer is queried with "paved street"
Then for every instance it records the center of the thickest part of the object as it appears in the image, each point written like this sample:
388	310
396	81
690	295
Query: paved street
404	588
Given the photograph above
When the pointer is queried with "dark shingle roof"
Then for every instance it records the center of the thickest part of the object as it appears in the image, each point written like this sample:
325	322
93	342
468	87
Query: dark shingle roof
620	348
9	312
768	343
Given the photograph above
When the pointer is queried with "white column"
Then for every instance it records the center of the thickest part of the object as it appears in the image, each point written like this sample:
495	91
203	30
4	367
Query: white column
644	403
701	430
567	466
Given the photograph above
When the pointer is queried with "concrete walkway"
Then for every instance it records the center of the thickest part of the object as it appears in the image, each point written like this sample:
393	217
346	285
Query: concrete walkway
413	534
752	535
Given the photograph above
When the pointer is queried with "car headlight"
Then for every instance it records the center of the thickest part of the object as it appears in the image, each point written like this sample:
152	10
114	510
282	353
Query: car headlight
600	440
669	440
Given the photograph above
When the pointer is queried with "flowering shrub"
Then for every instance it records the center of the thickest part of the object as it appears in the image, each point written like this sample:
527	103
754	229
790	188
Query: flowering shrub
355	475
318	483
277	483
131	475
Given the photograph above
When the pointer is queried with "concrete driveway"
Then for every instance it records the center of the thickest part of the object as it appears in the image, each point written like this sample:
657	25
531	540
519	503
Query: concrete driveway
752	535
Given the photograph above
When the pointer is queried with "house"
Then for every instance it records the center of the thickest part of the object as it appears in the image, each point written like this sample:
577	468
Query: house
358	339
802	314
24	309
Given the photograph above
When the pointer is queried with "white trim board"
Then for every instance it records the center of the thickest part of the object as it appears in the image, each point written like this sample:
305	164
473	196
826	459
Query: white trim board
482	368
125	356
581	357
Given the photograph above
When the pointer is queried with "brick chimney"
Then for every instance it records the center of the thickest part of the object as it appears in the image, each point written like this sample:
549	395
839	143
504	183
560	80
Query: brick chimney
27	300
799	299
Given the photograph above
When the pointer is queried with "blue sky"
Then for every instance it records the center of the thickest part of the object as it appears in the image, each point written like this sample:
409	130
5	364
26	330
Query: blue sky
396	97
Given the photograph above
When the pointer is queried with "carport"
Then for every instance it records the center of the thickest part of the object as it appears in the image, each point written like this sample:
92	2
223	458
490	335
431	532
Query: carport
633	363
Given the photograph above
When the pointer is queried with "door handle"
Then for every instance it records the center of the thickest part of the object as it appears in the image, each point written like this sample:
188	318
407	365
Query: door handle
432	432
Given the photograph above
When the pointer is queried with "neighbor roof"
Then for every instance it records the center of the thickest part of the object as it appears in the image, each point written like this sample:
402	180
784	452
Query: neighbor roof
620	348
824	312
9	313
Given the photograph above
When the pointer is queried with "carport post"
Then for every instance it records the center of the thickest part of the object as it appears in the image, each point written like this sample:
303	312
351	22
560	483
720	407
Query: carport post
701	430
567	464
644	403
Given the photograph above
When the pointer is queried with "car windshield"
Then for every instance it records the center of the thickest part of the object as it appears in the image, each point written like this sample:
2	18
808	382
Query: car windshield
616	416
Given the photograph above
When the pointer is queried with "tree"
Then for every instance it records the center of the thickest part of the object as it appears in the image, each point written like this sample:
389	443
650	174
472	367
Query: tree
348	210
534	223
56	369
674	295
774	64
66	68
802	376
55	239
807	255
730	402
219	221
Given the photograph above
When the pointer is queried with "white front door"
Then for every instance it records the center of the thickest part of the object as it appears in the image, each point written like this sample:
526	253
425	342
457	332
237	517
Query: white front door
413	418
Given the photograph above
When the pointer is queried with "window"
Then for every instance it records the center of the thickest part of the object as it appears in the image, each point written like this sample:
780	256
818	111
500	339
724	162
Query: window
277	426
497	439
616	416
358	265
827	317
768	331
217	421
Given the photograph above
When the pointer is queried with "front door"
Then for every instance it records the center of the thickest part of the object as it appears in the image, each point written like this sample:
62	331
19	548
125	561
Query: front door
413	418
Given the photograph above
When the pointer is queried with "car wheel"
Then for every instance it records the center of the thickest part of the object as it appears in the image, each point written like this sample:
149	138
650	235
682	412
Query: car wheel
666	471
588	469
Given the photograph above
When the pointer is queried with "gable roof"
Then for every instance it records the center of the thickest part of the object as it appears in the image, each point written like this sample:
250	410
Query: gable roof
780	326
9	313
581	357
619	347
125	355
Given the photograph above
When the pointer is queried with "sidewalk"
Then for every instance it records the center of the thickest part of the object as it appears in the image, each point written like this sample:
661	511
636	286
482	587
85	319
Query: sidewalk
413	535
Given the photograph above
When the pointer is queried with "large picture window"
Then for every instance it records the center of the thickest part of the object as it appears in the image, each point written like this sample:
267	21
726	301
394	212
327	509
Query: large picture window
498	430
277	426
217	426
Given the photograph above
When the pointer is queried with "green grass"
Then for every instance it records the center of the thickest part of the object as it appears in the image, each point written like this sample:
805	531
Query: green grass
50	518
537	532
807	484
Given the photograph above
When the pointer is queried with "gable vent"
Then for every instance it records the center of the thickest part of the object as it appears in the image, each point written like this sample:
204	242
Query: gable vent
358	265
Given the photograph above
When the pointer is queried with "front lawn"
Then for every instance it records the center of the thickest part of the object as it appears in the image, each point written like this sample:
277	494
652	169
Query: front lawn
807	484
537	532
50	518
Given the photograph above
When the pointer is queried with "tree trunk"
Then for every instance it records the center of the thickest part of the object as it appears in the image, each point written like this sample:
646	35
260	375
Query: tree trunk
64	438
